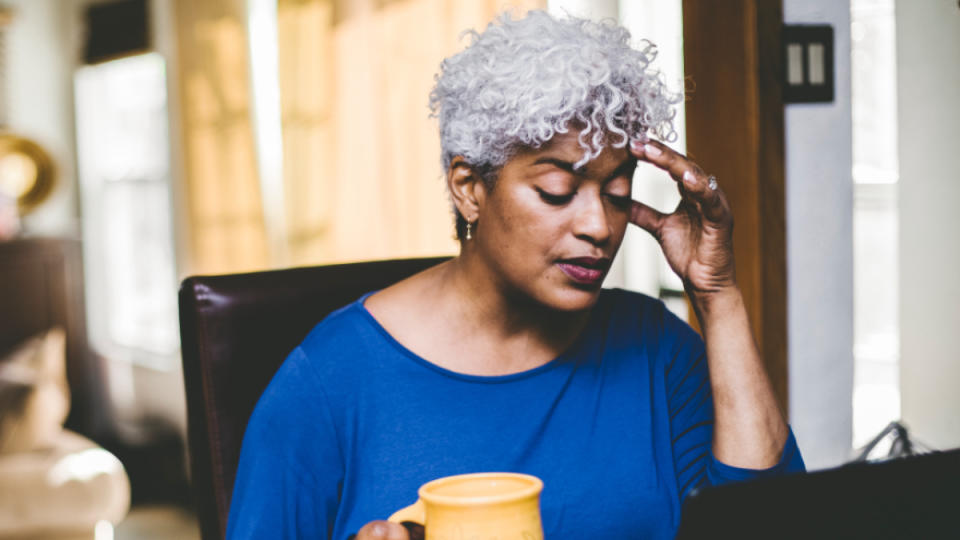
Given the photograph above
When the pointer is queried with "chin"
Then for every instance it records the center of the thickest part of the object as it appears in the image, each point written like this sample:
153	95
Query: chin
570	298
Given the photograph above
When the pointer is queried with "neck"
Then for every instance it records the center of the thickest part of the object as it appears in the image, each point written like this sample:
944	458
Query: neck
495	312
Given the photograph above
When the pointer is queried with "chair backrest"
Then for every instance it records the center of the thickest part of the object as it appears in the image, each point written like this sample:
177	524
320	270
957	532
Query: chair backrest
235	331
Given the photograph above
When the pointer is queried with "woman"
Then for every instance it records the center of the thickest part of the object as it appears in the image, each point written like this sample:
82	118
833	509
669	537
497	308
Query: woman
510	357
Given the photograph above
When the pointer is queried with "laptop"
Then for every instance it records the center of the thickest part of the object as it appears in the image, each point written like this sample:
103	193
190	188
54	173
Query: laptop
912	497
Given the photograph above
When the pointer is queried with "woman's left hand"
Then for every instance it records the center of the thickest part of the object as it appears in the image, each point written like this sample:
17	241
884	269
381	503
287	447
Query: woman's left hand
697	238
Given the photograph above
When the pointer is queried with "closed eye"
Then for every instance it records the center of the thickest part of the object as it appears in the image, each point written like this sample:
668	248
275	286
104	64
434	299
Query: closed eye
620	201
555	199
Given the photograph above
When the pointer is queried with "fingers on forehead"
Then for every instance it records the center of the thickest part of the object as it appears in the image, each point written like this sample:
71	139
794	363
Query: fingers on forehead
669	159
711	201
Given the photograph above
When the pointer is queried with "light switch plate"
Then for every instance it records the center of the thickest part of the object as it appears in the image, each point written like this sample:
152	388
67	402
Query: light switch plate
808	74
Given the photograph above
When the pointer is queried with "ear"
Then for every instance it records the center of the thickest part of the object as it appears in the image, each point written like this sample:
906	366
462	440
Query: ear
466	188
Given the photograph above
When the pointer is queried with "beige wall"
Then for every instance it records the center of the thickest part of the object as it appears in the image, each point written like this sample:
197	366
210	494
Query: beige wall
38	62
928	58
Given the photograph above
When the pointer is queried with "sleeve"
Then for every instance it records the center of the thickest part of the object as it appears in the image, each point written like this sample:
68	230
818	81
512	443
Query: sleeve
290	473
690	403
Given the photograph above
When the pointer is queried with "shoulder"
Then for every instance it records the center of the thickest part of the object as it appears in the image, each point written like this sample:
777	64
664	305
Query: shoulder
340	345
646	311
340	328
331	351
649	323
621	299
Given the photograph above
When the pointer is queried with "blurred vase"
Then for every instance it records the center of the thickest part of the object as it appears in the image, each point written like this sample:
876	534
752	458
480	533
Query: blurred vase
9	217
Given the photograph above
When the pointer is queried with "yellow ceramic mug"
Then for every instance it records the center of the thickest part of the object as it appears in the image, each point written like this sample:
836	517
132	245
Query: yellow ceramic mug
482	506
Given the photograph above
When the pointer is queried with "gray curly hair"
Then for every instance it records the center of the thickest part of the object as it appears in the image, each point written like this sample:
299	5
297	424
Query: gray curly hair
521	82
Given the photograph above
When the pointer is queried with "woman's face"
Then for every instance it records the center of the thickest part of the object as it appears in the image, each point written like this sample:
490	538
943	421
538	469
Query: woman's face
550	231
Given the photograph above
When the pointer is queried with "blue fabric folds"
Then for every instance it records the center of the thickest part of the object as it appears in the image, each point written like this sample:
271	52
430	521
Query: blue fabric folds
618	427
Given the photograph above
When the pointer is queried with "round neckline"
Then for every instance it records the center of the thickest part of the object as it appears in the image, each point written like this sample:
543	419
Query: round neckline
486	379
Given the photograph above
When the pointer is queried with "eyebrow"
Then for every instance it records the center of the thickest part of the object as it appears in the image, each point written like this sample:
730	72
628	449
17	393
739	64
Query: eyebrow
629	163
558	163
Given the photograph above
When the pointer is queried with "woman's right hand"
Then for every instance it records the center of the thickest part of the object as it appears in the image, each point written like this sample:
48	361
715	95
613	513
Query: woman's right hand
386	530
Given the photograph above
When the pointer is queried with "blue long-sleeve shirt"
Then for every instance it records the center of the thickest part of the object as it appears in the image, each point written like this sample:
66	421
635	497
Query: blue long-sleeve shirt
618	427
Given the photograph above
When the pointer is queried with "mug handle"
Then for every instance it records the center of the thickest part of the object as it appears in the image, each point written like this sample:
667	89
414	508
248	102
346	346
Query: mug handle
416	513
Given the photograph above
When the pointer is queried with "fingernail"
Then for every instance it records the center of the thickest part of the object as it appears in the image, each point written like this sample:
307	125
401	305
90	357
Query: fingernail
637	145
689	179
652	150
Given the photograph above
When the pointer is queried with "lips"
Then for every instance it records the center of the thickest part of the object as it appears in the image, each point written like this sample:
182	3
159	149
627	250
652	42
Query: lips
586	270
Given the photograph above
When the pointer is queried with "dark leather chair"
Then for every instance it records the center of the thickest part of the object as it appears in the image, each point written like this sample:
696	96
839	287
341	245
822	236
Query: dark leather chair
235	331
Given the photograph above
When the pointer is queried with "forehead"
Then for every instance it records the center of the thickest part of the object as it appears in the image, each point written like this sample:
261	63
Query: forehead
563	143
566	147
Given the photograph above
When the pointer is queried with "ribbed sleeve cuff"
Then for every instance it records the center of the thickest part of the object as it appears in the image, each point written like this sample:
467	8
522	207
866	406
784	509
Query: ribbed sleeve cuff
790	462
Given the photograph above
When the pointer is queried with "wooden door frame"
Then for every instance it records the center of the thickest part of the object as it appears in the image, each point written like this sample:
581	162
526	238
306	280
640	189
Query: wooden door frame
735	130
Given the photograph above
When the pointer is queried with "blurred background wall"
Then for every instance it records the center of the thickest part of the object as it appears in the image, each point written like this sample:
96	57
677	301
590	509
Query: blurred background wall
819	193
928	41
39	103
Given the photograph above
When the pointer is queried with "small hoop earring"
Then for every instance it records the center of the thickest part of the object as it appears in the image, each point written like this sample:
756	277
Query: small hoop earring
469	230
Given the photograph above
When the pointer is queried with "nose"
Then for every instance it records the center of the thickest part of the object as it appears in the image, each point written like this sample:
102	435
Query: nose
591	223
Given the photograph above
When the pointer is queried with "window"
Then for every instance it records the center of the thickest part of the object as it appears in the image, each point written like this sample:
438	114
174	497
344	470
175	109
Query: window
876	392
125	191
